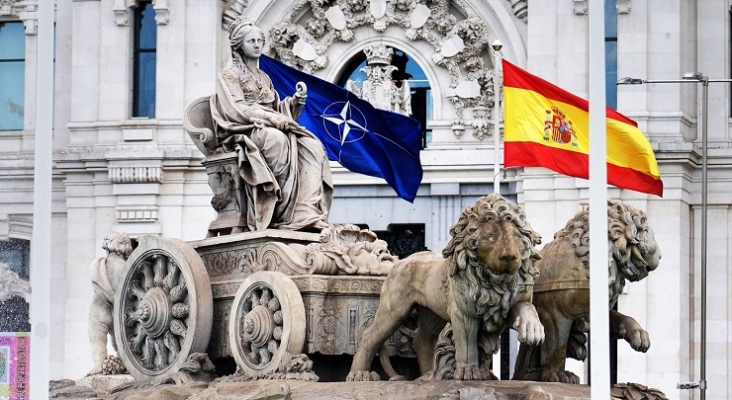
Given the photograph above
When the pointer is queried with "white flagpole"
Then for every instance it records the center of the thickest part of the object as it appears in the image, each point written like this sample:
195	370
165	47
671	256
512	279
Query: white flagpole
497	85
599	315
40	272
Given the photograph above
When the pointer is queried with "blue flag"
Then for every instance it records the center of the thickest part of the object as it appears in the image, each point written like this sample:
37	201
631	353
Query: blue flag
361	138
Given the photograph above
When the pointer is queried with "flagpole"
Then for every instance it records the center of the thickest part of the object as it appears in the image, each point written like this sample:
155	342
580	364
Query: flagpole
599	316
497	84
40	273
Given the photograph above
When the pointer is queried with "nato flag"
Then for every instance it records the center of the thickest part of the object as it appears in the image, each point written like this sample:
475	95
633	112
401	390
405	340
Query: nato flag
360	137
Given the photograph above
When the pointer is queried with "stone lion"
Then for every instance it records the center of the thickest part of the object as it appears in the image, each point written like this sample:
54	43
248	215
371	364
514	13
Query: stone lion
561	293
481	282
106	276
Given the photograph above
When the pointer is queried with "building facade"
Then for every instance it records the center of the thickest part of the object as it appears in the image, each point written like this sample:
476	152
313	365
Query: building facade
126	69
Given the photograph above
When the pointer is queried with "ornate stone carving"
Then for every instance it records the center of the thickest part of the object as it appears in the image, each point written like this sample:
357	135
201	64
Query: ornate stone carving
162	13
106	276
471	285
136	174
580	7
306	32
163	310
343	249
379	88
121	12
520	9
6	7
623	6
234	11
561	291
629	390
231	262
12	285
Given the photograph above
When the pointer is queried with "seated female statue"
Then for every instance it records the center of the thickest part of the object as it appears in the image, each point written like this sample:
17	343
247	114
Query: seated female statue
283	166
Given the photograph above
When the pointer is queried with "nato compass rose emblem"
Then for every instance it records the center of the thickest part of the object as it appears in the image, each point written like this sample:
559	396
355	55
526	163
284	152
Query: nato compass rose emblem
345	117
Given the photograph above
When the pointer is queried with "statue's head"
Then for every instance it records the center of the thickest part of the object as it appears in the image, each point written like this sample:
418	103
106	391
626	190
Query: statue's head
119	243
240	28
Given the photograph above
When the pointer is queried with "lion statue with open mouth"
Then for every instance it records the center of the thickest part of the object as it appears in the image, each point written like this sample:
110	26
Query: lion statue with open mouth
481	283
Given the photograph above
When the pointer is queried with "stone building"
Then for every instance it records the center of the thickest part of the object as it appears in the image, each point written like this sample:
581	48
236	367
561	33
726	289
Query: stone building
125	70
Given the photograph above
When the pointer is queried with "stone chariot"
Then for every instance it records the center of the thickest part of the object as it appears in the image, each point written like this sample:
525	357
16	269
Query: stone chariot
258	297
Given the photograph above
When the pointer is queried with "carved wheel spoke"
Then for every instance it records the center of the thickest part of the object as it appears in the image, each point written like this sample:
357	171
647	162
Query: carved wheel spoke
165	307
267	321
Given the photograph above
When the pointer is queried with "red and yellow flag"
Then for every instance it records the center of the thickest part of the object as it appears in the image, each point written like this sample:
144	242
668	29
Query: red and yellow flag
546	126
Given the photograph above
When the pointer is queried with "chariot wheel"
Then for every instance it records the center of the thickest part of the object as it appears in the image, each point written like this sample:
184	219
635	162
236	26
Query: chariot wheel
267	321
163	310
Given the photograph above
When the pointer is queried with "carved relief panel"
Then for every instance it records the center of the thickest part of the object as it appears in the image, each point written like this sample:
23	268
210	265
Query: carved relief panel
458	36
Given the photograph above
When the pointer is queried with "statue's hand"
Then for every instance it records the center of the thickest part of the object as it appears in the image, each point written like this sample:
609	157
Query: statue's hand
301	93
280	121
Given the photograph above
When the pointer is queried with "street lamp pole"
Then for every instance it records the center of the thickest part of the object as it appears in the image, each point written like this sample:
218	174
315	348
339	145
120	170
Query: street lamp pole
696	77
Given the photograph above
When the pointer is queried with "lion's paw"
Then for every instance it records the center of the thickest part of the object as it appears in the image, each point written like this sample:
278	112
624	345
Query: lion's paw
639	340
559	376
467	372
529	329
362	376
636	336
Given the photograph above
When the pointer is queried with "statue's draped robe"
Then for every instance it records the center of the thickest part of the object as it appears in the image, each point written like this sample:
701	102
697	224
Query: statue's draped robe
286	174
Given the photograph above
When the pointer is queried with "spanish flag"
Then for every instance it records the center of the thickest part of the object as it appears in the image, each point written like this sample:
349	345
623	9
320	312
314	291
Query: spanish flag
546	126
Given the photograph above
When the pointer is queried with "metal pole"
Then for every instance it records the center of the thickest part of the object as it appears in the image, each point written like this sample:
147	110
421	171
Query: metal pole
696	77
703	344
40	272
497	85
600	337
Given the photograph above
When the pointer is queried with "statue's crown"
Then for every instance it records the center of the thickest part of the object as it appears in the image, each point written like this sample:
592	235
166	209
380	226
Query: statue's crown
240	21
378	54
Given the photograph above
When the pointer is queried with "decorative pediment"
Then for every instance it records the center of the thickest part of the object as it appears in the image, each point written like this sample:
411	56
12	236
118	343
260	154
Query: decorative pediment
458	36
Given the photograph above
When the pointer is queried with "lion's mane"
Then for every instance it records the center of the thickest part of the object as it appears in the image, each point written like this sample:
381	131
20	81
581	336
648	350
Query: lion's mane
492	299
628	235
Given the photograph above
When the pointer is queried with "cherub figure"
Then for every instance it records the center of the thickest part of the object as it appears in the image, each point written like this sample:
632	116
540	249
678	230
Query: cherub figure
106	276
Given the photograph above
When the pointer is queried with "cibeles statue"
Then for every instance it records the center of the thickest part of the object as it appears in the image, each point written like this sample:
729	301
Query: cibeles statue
106	277
281	178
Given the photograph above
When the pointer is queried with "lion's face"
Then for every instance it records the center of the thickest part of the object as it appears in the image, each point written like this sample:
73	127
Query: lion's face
499	249
652	255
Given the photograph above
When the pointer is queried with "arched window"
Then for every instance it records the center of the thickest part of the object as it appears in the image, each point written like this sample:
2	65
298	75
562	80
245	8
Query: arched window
408	70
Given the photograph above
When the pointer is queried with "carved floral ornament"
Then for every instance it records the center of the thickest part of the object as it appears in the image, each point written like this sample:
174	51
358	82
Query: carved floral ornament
24	10
458	35
6	7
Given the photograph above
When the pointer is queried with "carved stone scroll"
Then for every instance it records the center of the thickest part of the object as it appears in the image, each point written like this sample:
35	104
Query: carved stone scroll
343	249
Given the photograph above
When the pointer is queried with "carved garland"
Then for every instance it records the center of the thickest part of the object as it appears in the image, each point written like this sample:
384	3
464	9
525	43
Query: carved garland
460	41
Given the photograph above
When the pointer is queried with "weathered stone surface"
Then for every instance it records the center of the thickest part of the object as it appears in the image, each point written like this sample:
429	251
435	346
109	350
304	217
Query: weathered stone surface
481	283
72	392
104	383
476	390
60	384
229	389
